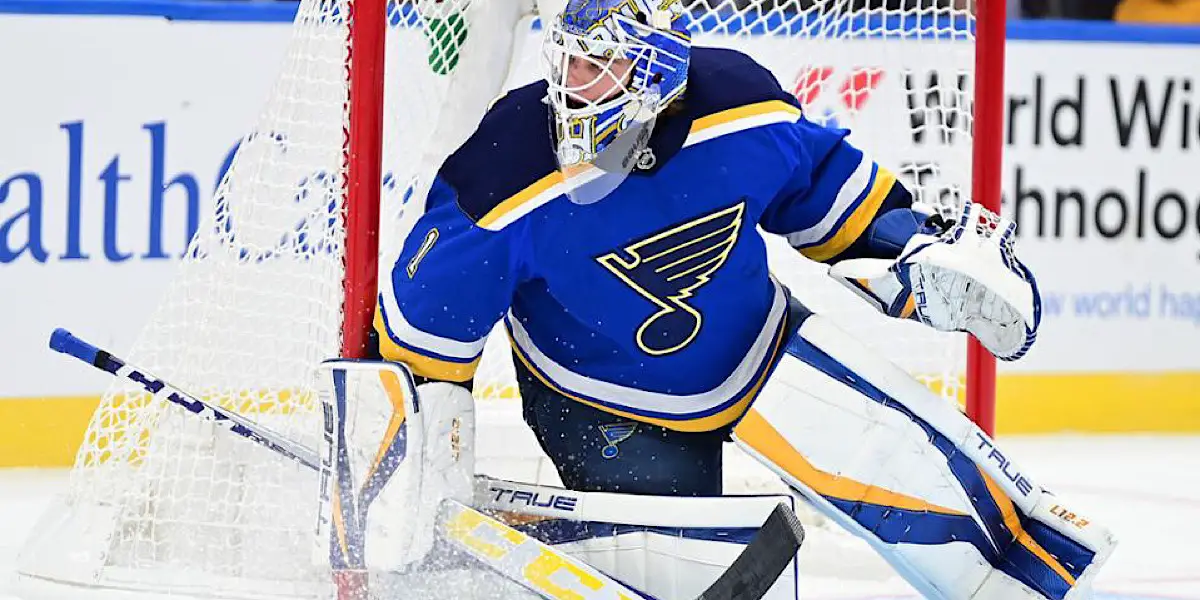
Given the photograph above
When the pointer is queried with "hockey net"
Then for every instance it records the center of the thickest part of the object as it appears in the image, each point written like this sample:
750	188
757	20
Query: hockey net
161	503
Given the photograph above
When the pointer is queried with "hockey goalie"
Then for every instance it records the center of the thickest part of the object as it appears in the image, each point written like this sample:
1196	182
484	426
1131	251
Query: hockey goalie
611	215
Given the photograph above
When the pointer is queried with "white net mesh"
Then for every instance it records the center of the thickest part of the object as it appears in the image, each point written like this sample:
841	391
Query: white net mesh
163	503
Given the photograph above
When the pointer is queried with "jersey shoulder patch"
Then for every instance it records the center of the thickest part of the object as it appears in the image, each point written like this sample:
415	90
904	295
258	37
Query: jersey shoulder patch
507	162
728	92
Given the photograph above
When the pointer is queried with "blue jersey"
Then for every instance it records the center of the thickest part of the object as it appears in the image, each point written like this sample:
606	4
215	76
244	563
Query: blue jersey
655	303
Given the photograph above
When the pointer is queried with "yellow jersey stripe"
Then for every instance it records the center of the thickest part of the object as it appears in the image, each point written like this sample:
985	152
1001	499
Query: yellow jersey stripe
743	112
755	431
424	366
429	367
857	222
539	192
546	184
1013	523
515	201
709	423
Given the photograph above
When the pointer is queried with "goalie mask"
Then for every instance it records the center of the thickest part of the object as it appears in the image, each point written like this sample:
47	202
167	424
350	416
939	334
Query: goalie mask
613	66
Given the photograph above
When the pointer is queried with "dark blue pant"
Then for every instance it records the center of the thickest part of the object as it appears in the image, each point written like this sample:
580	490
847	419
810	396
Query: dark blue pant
595	451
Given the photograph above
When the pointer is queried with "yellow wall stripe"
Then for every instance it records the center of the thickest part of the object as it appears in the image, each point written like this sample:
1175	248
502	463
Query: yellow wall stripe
46	431
43	431
857	222
1167	402
755	431
1013	523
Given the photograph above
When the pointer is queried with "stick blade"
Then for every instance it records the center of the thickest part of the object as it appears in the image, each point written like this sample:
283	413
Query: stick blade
761	563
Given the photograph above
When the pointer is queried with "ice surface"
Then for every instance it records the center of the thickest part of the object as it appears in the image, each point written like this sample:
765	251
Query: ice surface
1146	488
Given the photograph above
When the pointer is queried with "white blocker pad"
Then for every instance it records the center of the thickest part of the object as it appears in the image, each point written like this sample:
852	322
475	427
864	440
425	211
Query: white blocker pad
885	458
389	454
671	548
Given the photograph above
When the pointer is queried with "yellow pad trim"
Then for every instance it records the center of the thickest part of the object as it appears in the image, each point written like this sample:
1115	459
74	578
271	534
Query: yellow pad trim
515	554
339	523
756	432
1013	523
395	392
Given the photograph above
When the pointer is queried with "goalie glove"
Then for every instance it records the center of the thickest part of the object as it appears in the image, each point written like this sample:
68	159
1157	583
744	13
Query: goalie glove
965	278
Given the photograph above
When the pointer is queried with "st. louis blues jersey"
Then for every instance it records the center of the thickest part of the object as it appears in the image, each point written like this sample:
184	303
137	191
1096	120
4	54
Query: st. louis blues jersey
656	302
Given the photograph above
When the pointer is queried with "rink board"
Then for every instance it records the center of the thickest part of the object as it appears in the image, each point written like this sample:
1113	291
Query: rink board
1118	353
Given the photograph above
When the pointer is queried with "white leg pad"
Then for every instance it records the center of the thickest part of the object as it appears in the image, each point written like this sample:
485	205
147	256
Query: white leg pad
389	454
885	458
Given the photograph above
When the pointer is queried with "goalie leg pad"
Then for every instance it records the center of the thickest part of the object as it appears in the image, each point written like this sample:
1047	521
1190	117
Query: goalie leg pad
885	458
389	454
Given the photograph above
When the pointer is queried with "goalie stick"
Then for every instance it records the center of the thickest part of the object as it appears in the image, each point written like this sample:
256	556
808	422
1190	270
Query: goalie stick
759	565
63	341
750	576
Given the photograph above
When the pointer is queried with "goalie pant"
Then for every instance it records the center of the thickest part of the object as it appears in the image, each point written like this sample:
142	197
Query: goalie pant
887	459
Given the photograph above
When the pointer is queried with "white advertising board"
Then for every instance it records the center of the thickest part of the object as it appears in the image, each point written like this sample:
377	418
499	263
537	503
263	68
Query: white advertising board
1102	148
111	149
120	128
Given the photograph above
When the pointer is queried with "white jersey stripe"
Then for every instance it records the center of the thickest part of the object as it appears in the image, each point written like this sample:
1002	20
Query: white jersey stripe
642	401
854	188
401	331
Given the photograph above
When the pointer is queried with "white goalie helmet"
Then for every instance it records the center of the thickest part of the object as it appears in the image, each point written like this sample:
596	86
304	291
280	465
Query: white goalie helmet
612	67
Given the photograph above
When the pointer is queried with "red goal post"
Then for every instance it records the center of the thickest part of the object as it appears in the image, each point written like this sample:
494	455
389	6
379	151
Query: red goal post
987	164
364	170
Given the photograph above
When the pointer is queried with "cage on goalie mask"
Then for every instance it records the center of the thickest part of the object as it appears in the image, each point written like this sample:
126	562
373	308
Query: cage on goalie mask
585	48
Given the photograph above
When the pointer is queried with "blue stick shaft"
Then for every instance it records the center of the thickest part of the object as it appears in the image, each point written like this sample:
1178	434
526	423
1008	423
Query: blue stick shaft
63	341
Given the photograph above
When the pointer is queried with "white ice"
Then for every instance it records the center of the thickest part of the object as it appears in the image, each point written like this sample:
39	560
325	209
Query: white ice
1146	488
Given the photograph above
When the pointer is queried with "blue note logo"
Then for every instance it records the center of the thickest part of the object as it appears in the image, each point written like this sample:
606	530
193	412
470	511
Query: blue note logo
615	433
668	267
